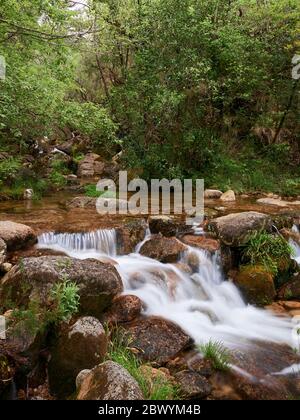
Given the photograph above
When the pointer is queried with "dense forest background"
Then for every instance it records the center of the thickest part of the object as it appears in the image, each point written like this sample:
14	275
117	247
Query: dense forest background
185	88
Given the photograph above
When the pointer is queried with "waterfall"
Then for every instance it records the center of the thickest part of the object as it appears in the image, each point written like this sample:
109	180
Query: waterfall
295	245
204	304
81	245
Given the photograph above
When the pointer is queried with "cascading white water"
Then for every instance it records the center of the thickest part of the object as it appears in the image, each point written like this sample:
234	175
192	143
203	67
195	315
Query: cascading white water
203	304
79	244
295	245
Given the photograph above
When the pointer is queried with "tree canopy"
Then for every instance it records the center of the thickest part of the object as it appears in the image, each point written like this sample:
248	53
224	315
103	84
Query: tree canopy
183	87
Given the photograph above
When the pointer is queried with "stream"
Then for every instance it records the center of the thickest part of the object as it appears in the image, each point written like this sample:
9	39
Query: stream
204	304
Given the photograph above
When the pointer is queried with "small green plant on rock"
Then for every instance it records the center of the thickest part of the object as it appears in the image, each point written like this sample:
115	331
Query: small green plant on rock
158	388
66	300
217	353
271	251
36	317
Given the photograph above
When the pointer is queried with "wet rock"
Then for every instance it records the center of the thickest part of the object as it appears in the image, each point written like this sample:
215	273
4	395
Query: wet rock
256	284
157	339
202	242
33	278
193	385
290	290
229	258
290	305
16	235
212	194
228	196
167	226
80	346
124	308
193	261
2	251
263	362
166	250
82	202
130	235
234	229
109	381
277	202
276	308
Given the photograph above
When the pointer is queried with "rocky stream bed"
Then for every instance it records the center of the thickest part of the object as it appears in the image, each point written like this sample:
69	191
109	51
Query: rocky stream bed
170	288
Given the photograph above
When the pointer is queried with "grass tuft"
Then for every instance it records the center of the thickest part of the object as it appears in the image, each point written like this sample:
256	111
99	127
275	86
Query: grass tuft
217	353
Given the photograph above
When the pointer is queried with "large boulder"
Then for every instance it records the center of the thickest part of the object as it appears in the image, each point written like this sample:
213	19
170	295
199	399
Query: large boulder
166	250
256	284
125	308
82	345
33	279
166	225
109	381
228	196
212	194
234	229
16	235
157	339
130	235
193	385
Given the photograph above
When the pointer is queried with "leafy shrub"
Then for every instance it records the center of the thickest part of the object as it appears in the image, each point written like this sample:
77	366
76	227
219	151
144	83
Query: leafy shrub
9	167
92	120
217	353
57	179
270	251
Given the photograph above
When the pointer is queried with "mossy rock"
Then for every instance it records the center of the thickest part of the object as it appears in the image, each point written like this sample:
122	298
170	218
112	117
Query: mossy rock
256	284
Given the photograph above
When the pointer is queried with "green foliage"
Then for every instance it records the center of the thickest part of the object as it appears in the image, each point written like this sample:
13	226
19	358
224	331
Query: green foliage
57	178
66	300
158	388
91	191
9	167
270	251
30	320
185	88
36	318
91	120
217	353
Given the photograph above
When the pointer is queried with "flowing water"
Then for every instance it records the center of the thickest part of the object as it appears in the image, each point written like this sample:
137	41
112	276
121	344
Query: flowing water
295	245
204	304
